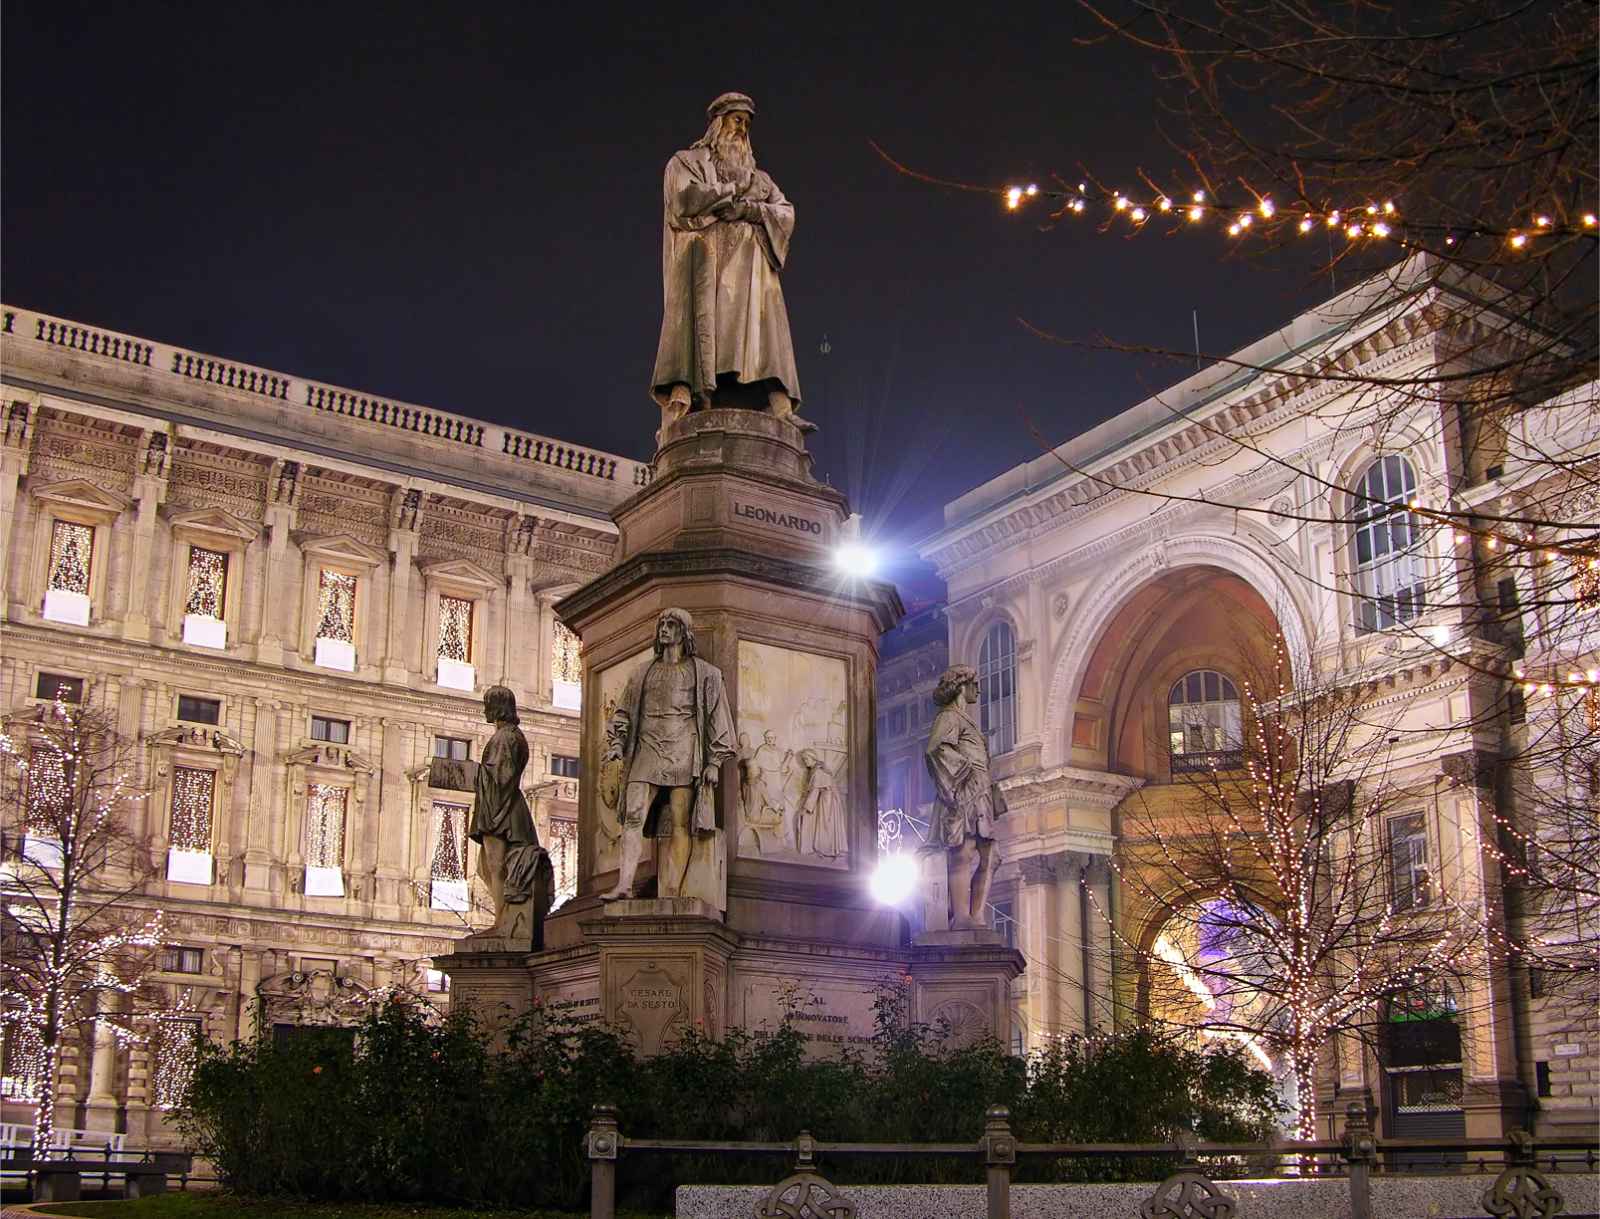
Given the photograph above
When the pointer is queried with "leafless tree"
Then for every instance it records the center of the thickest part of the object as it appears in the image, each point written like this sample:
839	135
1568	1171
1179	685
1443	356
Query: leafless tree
80	937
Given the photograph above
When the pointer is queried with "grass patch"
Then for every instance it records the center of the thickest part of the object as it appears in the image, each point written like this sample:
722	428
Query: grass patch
226	1206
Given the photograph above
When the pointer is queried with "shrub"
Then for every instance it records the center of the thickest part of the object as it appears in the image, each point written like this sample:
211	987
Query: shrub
420	1111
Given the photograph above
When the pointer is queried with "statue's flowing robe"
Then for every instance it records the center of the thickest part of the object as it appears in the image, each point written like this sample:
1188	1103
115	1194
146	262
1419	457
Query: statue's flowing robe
498	808
723	309
710	742
958	762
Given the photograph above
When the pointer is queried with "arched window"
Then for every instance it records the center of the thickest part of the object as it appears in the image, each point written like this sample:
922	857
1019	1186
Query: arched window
997	688
1386	549
1203	722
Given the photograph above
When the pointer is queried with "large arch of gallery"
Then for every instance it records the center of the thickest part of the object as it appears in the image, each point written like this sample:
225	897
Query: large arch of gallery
1162	684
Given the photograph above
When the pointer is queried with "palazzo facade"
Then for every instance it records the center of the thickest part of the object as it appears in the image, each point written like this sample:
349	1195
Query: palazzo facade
1103	590
291	596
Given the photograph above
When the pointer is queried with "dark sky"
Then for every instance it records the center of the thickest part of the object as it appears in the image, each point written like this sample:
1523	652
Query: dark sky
464	211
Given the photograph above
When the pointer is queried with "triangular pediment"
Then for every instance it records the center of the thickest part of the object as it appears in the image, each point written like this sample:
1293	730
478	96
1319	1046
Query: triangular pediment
342	548
214	521
461	572
81	493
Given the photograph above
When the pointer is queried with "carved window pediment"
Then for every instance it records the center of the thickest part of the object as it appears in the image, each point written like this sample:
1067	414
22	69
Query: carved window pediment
460	575
196	736
84	496
340	549
213	525
328	756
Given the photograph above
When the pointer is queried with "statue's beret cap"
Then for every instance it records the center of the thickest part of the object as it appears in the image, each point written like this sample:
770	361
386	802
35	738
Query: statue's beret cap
730	101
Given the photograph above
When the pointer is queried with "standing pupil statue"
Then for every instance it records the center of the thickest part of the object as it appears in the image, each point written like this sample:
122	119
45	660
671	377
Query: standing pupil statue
725	338
514	869
967	801
671	733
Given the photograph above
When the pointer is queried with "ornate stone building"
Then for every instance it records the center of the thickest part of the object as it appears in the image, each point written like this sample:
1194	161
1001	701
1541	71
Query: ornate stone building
1103	592
292	596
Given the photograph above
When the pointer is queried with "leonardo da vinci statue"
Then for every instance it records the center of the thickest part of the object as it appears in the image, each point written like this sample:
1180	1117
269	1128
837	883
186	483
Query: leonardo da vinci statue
725	331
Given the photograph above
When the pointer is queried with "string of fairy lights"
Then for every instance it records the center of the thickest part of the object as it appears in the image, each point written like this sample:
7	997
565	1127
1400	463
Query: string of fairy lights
1369	220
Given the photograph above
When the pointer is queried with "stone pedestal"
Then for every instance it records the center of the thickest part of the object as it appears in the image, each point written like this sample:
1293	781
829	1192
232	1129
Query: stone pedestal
734	530
495	986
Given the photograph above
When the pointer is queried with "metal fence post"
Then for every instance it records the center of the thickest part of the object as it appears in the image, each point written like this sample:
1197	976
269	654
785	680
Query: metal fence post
603	1143
1360	1150
999	1155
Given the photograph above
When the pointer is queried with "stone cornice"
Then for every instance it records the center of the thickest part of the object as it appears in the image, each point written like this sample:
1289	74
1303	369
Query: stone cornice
1245	413
1096	789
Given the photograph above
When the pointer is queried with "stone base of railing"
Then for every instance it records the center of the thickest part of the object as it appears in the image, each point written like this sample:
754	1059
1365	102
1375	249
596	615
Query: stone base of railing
1397	1197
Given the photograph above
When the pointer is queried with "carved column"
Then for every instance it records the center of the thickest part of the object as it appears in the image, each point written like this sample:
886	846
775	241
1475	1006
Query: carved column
261	805
1036	919
1097	913
14	457
400	653
148	492
391	821
522	624
280	588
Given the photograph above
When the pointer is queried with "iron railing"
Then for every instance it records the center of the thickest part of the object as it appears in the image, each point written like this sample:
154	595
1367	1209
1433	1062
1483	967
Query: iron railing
1526	1183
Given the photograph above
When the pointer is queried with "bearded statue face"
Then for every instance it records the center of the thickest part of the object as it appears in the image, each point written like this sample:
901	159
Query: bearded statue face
731	151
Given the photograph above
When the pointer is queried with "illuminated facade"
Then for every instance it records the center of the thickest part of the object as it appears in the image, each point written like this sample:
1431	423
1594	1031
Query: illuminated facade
1104	595
293	596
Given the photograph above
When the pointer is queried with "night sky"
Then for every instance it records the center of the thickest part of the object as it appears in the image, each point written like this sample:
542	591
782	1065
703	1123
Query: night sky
464	211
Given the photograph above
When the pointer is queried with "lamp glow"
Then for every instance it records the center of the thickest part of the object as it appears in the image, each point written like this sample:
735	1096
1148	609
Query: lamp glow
856	560
894	880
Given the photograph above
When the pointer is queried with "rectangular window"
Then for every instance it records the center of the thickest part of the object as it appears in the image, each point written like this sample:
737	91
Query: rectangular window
1541	1077
176	959
208	582
196	710
897	721
1536	982
49	783
325	812
173	1054
336	621
456	748
335	732
1005	921
566	669
1408	862
563	848
66	597
436	981
189	839
58	686
455	629
564	765
448	872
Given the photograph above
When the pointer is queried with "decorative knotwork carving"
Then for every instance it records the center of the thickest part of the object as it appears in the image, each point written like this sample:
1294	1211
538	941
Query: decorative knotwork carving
1521	1191
1188	1194
805	1195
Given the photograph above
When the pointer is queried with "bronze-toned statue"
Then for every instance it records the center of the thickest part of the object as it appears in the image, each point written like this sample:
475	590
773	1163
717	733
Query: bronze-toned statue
515	870
672	731
968	802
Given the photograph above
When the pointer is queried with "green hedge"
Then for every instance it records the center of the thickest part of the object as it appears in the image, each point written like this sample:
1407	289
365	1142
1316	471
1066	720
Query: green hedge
415	1111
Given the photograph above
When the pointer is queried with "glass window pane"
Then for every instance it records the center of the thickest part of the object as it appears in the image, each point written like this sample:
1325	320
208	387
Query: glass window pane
1192	688
1213	687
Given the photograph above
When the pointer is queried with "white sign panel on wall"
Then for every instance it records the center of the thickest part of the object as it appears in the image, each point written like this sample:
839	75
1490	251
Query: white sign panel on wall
794	762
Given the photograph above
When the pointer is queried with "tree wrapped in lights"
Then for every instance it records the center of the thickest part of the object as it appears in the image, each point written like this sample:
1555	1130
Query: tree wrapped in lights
78	940
1271	904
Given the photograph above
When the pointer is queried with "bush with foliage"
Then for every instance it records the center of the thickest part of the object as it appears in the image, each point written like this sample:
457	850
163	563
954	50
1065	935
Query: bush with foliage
414	1110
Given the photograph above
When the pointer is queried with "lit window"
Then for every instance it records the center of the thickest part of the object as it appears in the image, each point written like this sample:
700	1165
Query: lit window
325	815
564	765
57	686
197	710
208	582
566	668
455	629
1586	583
997	688
176	959
336	621
193	801
563	848
1203	722
71	553
66	597
49	792
436	981
456	748
1386	549
335	732
173	1056
448	872
1409	882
